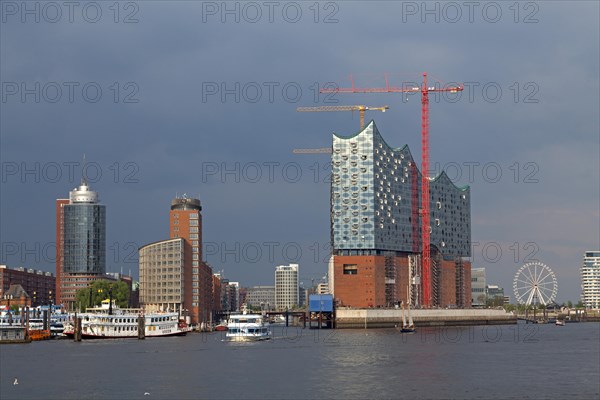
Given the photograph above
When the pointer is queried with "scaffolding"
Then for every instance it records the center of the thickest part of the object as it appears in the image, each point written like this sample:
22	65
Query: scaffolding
460	283
435	282
414	279
391	294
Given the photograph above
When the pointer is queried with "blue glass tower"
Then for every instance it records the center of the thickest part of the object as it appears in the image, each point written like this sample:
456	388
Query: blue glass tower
84	234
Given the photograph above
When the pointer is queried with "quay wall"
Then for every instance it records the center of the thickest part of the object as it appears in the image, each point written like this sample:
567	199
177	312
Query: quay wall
389	318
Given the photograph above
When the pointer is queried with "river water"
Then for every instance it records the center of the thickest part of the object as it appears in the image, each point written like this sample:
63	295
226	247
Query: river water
494	362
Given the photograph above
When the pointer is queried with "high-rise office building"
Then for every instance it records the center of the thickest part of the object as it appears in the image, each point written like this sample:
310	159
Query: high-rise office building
286	287
376	227
186	223
590	280
80	243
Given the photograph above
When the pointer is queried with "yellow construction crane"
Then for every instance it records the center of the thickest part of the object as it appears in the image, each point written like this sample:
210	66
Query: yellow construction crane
360	109
322	150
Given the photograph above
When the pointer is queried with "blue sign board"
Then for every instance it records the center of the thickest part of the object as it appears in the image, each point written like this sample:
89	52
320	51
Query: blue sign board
320	303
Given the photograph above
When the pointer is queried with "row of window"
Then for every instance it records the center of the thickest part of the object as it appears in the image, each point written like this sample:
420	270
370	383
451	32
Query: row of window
191	215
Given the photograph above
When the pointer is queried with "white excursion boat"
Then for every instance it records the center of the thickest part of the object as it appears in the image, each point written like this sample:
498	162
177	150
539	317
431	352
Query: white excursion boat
247	327
97	323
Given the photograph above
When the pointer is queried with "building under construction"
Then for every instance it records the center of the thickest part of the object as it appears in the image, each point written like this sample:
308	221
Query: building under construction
376	224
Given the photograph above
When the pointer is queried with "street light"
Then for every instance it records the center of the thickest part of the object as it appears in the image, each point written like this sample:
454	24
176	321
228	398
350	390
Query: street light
8	297
100	291
91	305
110	299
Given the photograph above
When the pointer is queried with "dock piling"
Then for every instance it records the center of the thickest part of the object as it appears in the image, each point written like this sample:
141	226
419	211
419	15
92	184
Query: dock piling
141	327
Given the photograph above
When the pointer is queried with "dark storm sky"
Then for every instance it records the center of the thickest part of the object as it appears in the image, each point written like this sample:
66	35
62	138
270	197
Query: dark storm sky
193	101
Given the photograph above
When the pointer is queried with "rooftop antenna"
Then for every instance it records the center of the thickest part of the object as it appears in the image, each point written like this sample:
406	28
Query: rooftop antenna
83	169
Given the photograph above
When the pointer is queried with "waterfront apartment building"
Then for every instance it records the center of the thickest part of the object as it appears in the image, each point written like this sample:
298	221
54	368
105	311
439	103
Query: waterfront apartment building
590	280
302	296
242	294
174	275
80	243
261	296
229	295
323	288
162	275
478	284
286	287
40	286
494	295
216	294
376	228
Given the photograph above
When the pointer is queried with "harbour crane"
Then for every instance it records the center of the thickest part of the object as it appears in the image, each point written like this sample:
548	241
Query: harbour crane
360	109
425	89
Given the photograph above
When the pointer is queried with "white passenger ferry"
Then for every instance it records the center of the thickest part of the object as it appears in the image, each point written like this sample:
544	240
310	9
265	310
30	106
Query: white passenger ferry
247	327
96	323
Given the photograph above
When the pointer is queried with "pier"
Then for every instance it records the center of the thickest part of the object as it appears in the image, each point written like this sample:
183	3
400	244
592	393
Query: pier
543	316
389	318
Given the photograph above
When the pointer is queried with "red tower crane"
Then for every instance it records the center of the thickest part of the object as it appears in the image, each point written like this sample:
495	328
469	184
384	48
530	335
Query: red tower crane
425	215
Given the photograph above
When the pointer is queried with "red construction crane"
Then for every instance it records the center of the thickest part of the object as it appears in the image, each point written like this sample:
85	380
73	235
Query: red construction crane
425	216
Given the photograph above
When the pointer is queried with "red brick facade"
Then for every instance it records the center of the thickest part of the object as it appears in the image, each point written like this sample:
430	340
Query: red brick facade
197	290
59	249
39	285
360	281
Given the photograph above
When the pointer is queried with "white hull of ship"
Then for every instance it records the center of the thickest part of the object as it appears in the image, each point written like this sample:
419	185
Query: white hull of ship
247	338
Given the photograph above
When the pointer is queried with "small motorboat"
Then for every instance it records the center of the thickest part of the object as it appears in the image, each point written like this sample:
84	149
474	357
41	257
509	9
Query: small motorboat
222	327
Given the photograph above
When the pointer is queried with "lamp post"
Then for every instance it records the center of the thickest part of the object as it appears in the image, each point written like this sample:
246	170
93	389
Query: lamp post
8	297
100	291
91	303
110	299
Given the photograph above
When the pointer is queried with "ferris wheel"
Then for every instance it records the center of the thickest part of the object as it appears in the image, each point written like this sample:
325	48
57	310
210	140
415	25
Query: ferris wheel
535	283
